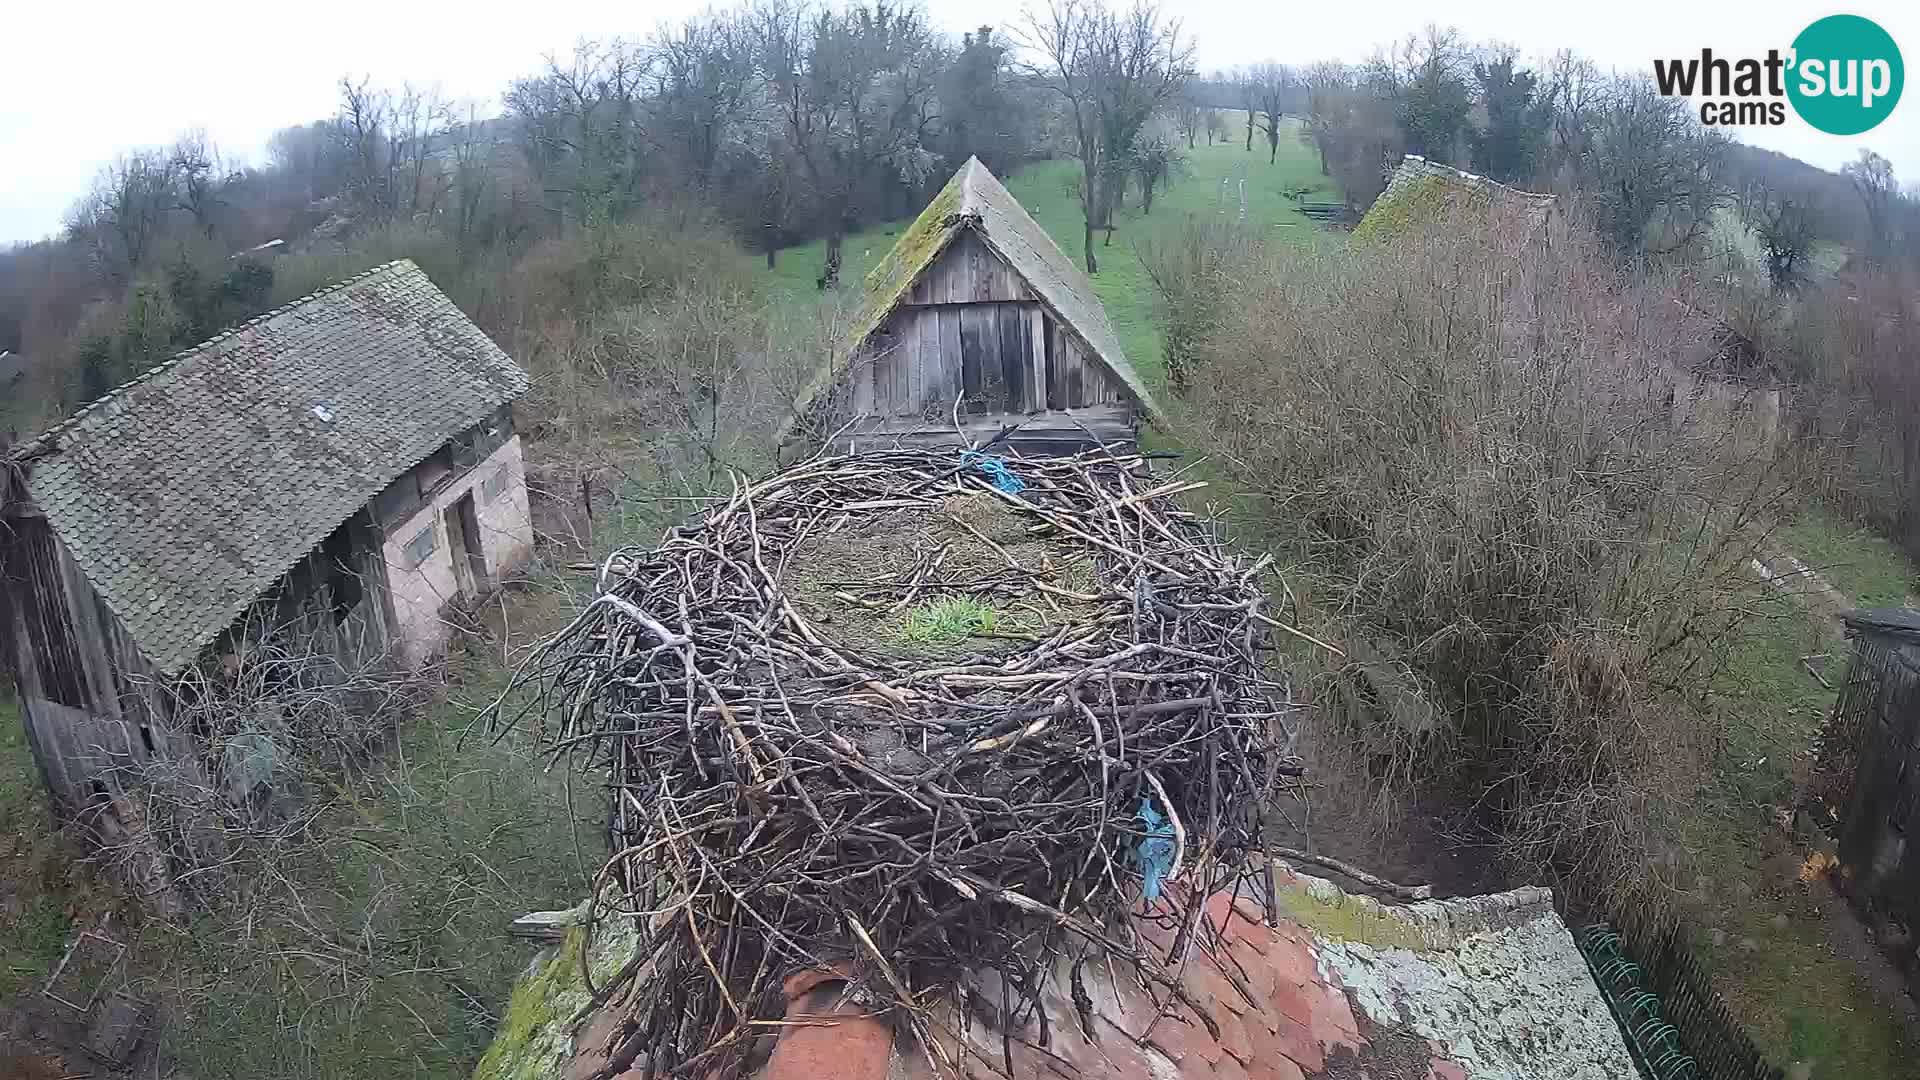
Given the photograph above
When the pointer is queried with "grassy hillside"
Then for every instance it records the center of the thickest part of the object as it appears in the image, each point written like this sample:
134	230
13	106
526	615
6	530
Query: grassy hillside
1049	192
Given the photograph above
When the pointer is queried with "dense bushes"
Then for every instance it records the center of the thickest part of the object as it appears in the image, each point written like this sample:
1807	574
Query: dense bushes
1470	444
1851	354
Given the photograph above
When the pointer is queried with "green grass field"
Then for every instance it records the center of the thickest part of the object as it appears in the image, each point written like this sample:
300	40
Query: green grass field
1049	192
1774	959
1855	560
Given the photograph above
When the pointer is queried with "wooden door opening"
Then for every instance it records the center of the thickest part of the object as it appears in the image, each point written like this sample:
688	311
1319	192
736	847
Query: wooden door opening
463	547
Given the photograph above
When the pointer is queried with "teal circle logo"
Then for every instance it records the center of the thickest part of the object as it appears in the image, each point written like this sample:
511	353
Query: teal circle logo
1846	76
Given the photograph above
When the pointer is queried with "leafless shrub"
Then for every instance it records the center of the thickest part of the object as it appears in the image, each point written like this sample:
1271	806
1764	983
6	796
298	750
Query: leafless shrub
1477	443
243	742
1853	355
1190	268
689	375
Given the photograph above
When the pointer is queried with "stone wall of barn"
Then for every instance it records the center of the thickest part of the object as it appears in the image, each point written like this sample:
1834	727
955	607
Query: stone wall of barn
420	549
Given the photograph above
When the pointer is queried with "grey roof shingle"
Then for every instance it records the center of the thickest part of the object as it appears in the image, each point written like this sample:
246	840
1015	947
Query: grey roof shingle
185	494
974	199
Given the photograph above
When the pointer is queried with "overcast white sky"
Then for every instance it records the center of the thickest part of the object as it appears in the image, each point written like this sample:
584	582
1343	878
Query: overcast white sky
80	82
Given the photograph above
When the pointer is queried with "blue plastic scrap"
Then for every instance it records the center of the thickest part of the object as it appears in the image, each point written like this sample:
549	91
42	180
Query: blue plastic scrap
1154	856
995	469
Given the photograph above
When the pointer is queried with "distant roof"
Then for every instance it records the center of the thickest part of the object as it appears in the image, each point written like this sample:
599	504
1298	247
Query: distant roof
187	493
973	199
1421	189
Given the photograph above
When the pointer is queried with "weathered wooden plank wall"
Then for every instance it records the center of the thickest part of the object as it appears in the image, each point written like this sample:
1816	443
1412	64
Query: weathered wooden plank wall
92	704
970	328
968	273
88	705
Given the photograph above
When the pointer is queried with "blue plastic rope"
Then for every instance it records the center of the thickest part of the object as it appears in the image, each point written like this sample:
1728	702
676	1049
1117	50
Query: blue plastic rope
1154	856
995	469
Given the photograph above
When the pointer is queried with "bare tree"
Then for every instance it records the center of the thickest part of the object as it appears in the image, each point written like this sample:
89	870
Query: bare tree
1872	179
579	124
1352	121
1328	84
1272	89
1573	95
197	172
1187	117
1112	71
472	184
1652	171
121	218
1156	158
420	122
1785	227
704	89
855	91
1244	86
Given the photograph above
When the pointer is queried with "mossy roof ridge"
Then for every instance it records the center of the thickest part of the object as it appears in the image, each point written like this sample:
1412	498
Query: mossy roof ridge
1422	190
975	199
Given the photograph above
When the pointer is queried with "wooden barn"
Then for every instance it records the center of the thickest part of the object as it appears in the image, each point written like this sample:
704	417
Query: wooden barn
331	475
975	323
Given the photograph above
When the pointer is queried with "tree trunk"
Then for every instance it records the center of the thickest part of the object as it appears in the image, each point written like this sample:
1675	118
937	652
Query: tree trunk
1249	131
830	273
1146	195
1273	148
1093	265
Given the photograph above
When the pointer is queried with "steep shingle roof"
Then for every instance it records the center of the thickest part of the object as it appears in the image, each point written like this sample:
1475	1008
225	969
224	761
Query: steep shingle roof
1421	190
973	199
187	493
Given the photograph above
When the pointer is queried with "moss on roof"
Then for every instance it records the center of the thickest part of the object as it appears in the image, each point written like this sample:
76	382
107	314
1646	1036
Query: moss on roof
916	249
186	493
1423	190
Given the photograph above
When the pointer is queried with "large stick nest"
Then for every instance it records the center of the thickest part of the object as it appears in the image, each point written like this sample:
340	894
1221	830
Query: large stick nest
1095	705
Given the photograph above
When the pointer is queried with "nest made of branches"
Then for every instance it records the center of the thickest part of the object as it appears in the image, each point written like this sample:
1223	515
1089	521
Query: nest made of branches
800	779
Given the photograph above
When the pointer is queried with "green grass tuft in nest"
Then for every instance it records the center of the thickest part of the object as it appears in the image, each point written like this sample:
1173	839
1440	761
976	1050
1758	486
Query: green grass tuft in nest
949	621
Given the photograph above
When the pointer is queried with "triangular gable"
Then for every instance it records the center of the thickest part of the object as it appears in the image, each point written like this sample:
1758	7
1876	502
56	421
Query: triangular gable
975	200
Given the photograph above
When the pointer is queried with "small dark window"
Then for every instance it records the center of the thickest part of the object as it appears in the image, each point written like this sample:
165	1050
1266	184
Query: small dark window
494	486
434	471
420	547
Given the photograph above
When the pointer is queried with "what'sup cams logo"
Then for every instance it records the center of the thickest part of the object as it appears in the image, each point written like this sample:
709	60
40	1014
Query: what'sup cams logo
1843	75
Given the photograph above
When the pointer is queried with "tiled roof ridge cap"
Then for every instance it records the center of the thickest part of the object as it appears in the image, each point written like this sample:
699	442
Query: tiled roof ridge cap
48	441
1441	924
